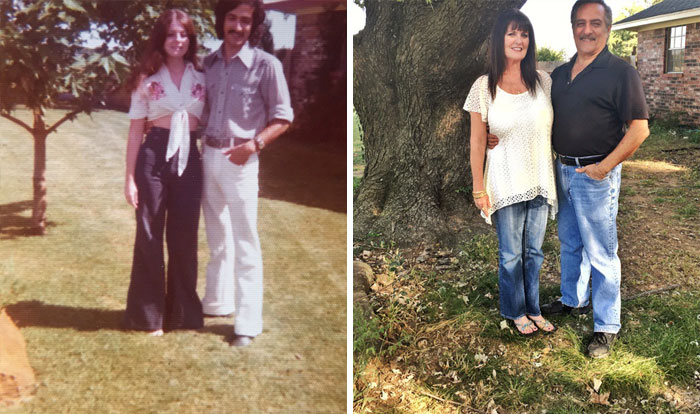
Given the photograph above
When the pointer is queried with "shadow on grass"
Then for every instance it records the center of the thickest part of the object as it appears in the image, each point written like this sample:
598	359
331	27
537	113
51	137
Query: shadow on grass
304	174
38	313
225	331
13	224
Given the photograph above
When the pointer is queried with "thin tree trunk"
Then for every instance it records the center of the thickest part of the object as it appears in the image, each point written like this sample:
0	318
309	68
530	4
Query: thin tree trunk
39	178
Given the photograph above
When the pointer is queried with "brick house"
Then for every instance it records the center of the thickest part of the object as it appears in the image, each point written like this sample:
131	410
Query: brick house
319	44
668	58
316	68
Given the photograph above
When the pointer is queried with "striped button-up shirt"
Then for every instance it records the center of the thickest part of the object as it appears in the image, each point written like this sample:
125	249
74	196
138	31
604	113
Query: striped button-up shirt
245	93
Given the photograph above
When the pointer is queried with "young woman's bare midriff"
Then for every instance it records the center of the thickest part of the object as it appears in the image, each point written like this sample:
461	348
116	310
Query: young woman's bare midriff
164	122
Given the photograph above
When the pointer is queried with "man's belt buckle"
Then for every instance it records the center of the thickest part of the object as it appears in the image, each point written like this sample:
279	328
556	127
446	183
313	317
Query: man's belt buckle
219	142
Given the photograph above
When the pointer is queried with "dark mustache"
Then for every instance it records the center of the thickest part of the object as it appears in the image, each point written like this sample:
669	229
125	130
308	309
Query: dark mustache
587	38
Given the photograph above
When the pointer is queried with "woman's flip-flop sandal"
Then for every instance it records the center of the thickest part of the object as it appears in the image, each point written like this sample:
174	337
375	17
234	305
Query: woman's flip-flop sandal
522	327
544	325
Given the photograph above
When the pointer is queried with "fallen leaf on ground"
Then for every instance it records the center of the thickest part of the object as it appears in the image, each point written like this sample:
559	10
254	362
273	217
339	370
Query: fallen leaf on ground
596	384
600	398
481	358
384	279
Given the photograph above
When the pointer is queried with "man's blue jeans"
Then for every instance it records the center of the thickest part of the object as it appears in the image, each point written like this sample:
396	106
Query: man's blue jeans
520	228
588	236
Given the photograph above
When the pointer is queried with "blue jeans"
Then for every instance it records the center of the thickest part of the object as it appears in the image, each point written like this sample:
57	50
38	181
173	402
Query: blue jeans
520	228
588	236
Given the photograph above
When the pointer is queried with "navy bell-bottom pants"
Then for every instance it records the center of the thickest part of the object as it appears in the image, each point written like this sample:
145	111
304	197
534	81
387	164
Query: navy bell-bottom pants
167	202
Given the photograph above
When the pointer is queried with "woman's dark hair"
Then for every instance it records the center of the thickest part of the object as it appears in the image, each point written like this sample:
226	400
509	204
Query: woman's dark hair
225	6
154	56
515	19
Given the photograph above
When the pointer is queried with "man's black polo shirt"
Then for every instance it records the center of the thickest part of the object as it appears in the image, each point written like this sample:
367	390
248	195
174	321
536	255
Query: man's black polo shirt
591	111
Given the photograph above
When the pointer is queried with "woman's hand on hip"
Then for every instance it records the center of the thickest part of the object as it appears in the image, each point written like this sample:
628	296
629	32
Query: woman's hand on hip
131	192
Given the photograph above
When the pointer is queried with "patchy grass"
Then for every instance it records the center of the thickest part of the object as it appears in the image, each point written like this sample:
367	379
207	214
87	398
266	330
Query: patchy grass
447	350
67	290
659	207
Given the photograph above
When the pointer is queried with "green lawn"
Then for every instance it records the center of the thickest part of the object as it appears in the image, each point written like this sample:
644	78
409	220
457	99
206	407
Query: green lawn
66	290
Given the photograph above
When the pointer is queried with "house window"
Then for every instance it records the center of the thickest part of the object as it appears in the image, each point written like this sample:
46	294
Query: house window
675	48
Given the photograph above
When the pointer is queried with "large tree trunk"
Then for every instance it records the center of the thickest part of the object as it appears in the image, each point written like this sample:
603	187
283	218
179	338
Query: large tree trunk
39	207
414	63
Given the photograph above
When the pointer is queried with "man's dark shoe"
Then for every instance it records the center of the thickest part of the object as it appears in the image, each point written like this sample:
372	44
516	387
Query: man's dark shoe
558	308
601	344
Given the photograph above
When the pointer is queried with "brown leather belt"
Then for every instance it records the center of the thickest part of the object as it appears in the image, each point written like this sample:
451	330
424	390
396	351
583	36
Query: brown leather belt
223	142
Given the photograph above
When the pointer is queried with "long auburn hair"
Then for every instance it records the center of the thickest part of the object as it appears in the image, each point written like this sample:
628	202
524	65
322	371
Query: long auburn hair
154	56
515	19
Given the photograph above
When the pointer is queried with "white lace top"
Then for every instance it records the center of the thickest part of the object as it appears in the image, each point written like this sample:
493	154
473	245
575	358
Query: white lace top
521	166
157	96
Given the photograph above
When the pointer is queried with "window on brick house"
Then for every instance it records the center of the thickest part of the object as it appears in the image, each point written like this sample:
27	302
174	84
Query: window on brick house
675	48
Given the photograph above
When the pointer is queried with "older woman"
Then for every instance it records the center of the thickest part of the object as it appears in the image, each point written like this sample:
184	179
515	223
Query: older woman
164	179
515	189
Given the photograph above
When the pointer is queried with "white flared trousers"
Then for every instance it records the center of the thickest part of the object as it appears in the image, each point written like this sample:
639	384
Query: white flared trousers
235	271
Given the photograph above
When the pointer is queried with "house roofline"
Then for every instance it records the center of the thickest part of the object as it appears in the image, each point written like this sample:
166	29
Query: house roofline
664	20
300	7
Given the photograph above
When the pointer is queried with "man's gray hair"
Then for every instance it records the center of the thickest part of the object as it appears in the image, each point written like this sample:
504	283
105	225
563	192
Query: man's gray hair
579	3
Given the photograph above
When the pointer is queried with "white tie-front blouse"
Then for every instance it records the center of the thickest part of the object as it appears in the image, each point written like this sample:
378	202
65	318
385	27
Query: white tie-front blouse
157	96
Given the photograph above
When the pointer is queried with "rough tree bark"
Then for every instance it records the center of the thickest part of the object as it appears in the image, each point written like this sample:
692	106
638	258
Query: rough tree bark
413	65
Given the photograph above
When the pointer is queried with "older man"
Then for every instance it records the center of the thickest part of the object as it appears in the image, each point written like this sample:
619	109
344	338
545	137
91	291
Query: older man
600	119
249	107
